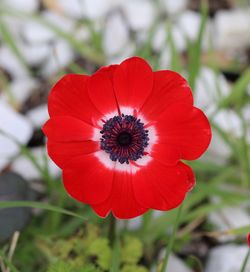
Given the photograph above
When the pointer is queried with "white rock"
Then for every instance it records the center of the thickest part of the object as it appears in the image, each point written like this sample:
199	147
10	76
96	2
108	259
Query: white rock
189	22
14	25
61	54
22	5
173	7
229	122
161	41
178	38
223	220
35	54
227	258
248	89
140	13
232	29
3	161
126	53
60	21
73	8
165	59
82	33
24	167
210	89
21	89
160	37
116	35
246	114
175	264
14	124
8	147
13	128
95	9
135	223
218	151
131	224
11	64
38	116
37	33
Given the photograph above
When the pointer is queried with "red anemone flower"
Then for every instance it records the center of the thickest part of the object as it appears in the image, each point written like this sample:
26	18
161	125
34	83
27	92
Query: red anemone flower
119	136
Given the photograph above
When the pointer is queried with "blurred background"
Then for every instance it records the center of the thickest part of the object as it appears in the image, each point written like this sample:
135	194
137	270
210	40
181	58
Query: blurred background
208	42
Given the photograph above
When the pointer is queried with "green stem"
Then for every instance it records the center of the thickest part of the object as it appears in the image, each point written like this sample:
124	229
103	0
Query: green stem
172	239
115	244
244	265
112	230
115	261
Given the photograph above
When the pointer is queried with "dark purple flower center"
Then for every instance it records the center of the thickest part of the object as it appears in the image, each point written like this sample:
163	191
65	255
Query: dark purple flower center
124	138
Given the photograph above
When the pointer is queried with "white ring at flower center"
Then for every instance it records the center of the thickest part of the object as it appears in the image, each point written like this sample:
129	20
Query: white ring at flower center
104	158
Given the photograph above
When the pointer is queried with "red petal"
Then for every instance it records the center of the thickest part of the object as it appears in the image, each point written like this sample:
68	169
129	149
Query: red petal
67	129
169	87
62	153
101	92
124	203
190	175
133	82
87	180
185	128
108	70
166	154
102	209
69	96
161	187
122	200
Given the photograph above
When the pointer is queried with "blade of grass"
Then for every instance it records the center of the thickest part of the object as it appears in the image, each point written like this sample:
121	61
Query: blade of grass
38	205
172	239
157	228
8	262
244	265
175	56
194	49
26	152
238	91
4	86
10	42
77	69
235	231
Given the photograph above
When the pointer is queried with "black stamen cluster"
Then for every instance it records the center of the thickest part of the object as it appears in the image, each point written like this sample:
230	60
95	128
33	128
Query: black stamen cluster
124	138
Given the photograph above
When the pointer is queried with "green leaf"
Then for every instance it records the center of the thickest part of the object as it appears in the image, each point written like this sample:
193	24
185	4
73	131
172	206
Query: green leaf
62	266
132	250
101	250
134	268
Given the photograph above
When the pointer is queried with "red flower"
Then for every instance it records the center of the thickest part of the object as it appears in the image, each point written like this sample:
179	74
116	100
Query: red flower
119	136
248	239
